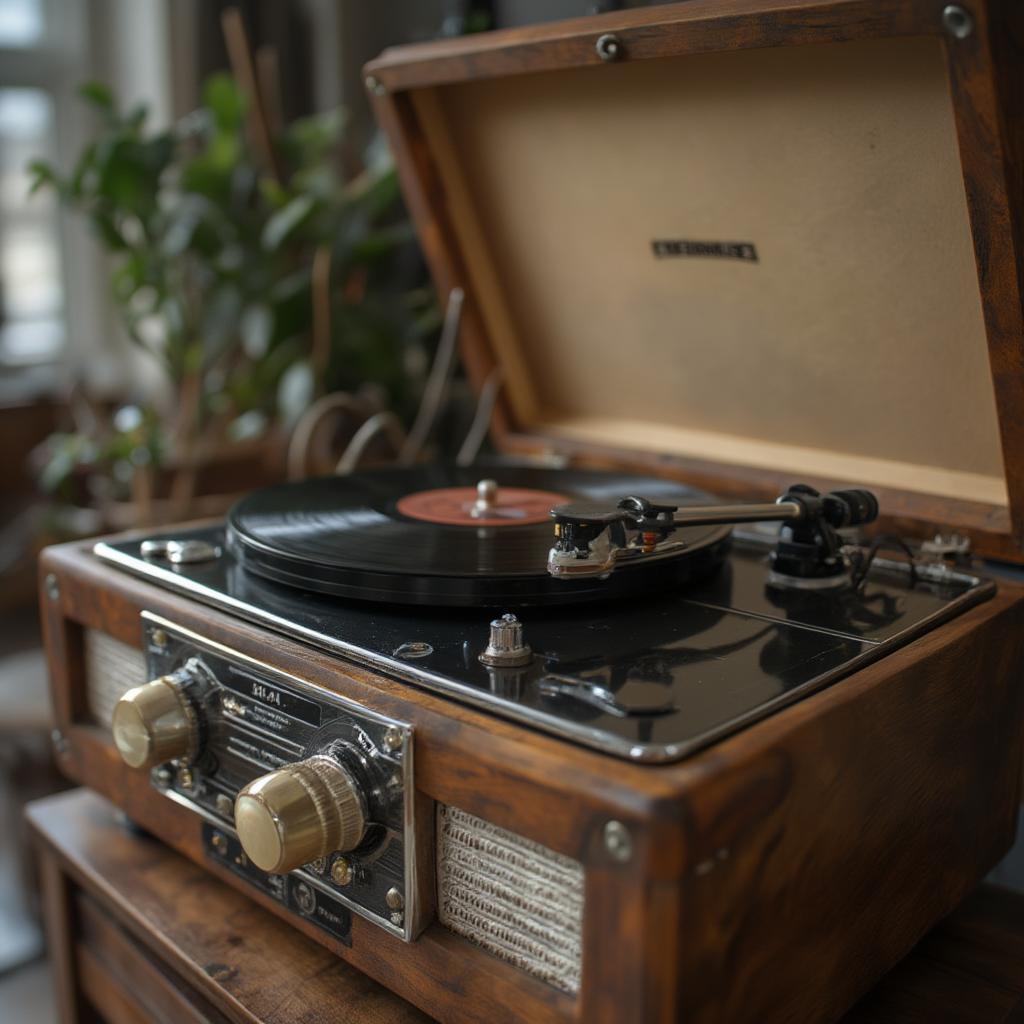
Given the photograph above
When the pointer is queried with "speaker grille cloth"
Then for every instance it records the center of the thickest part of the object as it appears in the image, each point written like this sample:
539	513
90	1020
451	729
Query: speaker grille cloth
515	898
111	667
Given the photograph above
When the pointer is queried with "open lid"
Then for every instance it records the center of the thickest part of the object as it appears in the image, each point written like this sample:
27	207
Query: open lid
740	241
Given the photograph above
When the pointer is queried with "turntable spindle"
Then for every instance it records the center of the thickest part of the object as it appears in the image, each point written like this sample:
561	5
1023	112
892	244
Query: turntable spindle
486	499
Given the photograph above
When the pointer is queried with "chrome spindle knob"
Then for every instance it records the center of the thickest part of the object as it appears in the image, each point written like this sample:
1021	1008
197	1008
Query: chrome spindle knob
506	646
486	499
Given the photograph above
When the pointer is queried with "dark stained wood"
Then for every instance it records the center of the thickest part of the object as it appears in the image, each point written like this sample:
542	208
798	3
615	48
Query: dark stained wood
58	913
782	871
988	177
845	824
123	981
988	101
697	26
134	900
968	970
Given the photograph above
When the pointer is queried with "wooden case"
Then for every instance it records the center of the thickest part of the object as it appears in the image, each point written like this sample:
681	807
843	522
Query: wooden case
869	152
772	877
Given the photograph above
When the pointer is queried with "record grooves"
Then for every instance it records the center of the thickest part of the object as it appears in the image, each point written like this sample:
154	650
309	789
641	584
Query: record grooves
347	536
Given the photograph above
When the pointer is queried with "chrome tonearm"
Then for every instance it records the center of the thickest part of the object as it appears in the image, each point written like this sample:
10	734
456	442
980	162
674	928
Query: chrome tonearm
593	538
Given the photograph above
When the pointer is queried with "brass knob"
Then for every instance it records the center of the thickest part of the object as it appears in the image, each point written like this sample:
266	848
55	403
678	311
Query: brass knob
154	723
298	813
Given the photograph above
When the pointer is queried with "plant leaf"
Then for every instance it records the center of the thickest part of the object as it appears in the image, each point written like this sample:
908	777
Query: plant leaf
283	222
225	100
42	174
98	94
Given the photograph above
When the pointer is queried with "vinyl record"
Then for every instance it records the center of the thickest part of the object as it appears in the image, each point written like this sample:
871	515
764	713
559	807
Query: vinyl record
410	536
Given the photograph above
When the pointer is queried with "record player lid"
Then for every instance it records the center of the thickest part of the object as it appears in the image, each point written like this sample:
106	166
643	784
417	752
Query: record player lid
733	257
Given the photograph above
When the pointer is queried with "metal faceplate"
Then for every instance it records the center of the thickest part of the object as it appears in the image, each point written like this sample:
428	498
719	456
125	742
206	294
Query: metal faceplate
255	719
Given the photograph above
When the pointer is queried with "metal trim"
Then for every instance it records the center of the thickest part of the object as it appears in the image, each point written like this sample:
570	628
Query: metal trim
408	783
649	753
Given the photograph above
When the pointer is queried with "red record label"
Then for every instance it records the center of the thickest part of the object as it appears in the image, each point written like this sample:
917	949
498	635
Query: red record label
454	506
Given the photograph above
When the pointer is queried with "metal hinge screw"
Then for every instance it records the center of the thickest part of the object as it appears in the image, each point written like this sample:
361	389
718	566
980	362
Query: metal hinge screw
375	85
52	585
617	841
396	904
957	21
609	46
393	738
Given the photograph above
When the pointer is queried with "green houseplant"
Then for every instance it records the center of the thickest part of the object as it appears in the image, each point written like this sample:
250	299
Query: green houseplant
256	285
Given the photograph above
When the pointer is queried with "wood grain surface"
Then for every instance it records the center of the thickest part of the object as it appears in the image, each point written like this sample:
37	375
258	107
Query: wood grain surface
782	871
152	933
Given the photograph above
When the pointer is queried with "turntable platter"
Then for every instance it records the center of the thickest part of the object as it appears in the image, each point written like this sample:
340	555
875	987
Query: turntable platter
435	535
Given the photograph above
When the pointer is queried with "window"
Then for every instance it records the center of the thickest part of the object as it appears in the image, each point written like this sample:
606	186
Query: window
31	292
43	56
21	22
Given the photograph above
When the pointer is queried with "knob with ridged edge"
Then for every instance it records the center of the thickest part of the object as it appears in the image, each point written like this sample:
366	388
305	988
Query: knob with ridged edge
299	813
154	723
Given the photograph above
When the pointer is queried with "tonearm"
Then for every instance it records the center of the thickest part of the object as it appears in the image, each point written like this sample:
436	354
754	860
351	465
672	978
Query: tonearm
594	538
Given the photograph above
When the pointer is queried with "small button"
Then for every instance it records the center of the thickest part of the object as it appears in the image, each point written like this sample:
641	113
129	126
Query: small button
305	898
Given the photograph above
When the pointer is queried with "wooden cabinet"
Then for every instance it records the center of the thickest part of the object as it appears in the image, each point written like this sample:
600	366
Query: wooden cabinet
140	935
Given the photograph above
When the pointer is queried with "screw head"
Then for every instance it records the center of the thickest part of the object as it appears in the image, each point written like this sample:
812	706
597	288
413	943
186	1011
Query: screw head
394	899
225	805
617	841
305	897
375	85
609	47
219	842
393	738
52	585
341	872
60	744
158	637
957	21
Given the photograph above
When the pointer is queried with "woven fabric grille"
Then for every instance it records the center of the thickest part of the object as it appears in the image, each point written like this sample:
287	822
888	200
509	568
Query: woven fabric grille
111	667
515	898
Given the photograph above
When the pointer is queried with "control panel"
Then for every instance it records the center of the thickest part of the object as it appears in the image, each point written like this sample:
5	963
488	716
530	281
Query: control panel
307	795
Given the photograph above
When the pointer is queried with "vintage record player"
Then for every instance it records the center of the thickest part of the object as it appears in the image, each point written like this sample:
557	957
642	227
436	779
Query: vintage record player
635	727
